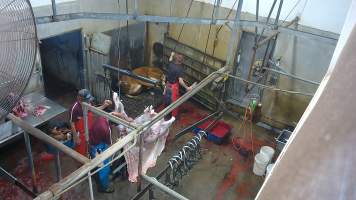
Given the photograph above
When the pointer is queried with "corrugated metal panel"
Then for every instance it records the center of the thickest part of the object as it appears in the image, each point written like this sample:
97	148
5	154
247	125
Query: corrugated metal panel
97	84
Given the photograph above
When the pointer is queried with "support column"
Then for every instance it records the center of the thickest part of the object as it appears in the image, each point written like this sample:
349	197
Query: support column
234	39
86	127
58	166
30	160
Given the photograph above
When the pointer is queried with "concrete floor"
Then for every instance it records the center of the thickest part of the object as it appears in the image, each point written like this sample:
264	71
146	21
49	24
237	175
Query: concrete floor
222	173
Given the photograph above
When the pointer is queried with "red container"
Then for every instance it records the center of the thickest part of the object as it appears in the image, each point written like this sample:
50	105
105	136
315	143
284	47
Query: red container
218	133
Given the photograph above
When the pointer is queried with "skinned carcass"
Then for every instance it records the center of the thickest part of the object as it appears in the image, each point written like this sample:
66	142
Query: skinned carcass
154	140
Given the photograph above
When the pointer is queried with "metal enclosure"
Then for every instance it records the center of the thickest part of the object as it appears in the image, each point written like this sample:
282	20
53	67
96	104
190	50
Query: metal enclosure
62	58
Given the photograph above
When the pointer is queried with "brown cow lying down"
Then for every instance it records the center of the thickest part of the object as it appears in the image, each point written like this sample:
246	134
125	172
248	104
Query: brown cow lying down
133	86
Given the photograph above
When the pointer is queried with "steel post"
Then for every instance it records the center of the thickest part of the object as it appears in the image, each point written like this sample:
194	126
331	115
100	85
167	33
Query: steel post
234	39
326	37
217	11
292	76
135	9
30	161
54	9
189	128
12	179
86	127
139	181
58	166
91	192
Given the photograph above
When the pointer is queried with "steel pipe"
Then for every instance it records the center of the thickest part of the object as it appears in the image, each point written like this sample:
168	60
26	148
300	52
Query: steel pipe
44	137
109	116
54	9
292	76
330	38
189	128
130	73
164	188
58	166
234	39
30	161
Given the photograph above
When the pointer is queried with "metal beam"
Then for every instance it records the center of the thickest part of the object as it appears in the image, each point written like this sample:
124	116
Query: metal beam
110	116
135	9
291	75
54	9
217	11
131	74
44	137
164	188
332	38
189	128
30	161
234	39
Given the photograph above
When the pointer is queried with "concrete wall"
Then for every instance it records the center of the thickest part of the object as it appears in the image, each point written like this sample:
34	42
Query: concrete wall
302	57
327	15
308	59
193	35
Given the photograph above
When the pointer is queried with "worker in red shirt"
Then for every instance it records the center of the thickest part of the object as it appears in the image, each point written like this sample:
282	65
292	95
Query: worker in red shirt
100	140
77	119
175	79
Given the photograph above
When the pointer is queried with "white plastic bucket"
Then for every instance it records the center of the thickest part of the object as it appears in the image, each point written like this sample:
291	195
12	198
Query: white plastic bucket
269	168
268	151
259	167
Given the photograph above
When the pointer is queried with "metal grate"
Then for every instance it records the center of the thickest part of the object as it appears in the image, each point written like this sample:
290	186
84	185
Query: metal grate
18	48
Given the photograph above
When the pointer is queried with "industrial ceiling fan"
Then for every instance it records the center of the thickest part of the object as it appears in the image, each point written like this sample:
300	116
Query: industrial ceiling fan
18	48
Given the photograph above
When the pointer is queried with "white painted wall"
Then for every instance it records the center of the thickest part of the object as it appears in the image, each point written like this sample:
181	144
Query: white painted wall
43	8
328	15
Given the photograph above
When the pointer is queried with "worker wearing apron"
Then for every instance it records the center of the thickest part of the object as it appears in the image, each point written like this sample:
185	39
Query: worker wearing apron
77	120
100	140
174	80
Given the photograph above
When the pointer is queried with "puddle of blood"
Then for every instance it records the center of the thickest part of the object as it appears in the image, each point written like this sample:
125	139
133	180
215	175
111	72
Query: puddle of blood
22	172
237	167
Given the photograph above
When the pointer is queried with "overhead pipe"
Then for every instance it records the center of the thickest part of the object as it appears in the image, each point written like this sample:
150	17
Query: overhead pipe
189	128
111	117
131	74
54	9
234	39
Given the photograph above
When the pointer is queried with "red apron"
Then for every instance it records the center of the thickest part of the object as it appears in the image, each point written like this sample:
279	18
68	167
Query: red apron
173	96
79	126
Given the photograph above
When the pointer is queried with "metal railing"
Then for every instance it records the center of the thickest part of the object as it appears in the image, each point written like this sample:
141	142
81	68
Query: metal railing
86	171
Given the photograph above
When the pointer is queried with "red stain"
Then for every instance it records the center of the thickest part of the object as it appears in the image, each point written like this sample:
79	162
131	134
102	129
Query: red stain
239	165
244	190
44	179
